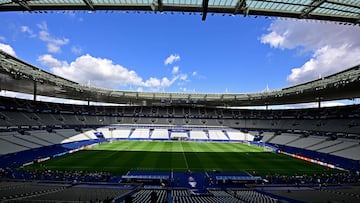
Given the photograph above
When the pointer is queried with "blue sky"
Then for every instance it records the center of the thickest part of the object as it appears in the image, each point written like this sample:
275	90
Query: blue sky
180	53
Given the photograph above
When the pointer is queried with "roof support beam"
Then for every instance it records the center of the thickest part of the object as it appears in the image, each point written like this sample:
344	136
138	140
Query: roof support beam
240	5
23	4
315	4
205	5
160	5
157	5
90	4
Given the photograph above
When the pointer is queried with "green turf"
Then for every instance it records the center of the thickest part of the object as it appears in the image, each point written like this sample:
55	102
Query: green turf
122	156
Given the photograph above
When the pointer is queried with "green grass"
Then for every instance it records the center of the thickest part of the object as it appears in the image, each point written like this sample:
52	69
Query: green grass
122	156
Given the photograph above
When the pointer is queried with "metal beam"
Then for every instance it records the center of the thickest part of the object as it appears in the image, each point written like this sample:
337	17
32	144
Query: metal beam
90	4
160	5
23	4
35	91
240	5
157	5
315	4
205	5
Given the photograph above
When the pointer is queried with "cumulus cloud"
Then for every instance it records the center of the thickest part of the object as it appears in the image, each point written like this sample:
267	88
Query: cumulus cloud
325	61
175	70
53	44
49	61
7	48
102	72
76	50
28	30
171	59
333	47
53	48
274	39
183	77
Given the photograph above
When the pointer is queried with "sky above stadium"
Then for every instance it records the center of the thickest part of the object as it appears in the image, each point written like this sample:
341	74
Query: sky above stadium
180	53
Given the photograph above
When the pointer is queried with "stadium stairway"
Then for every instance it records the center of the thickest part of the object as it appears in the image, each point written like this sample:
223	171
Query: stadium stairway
195	181
226	134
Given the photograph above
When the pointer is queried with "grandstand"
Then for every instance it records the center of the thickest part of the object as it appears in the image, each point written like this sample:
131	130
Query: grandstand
179	147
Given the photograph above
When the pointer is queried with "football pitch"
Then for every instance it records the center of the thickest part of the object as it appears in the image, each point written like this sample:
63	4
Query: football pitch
122	156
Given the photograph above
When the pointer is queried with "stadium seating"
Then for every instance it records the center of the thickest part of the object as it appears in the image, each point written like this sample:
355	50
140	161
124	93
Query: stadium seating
198	135
217	135
144	195
56	192
306	142
140	134
181	135
162	134
252	196
32	130
284	138
12	138
8	147
352	152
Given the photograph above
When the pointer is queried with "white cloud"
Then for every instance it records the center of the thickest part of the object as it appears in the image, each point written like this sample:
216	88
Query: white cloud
183	77
184	89
49	61
333	47
194	73
53	44
171	59
7	48
103	73
27	30
325	61
76	50
165	82
153	82
274	39
175	70
52	48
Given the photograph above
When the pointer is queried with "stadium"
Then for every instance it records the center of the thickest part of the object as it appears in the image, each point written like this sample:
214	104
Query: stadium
138	146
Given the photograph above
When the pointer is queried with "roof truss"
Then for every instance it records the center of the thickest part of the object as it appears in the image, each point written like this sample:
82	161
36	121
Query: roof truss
329	10
205	5
90	4
315	4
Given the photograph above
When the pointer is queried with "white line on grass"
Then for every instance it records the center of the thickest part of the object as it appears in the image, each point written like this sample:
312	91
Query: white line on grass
187	165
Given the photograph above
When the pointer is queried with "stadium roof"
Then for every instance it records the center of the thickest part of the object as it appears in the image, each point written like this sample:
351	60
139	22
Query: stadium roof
19	76
346	11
